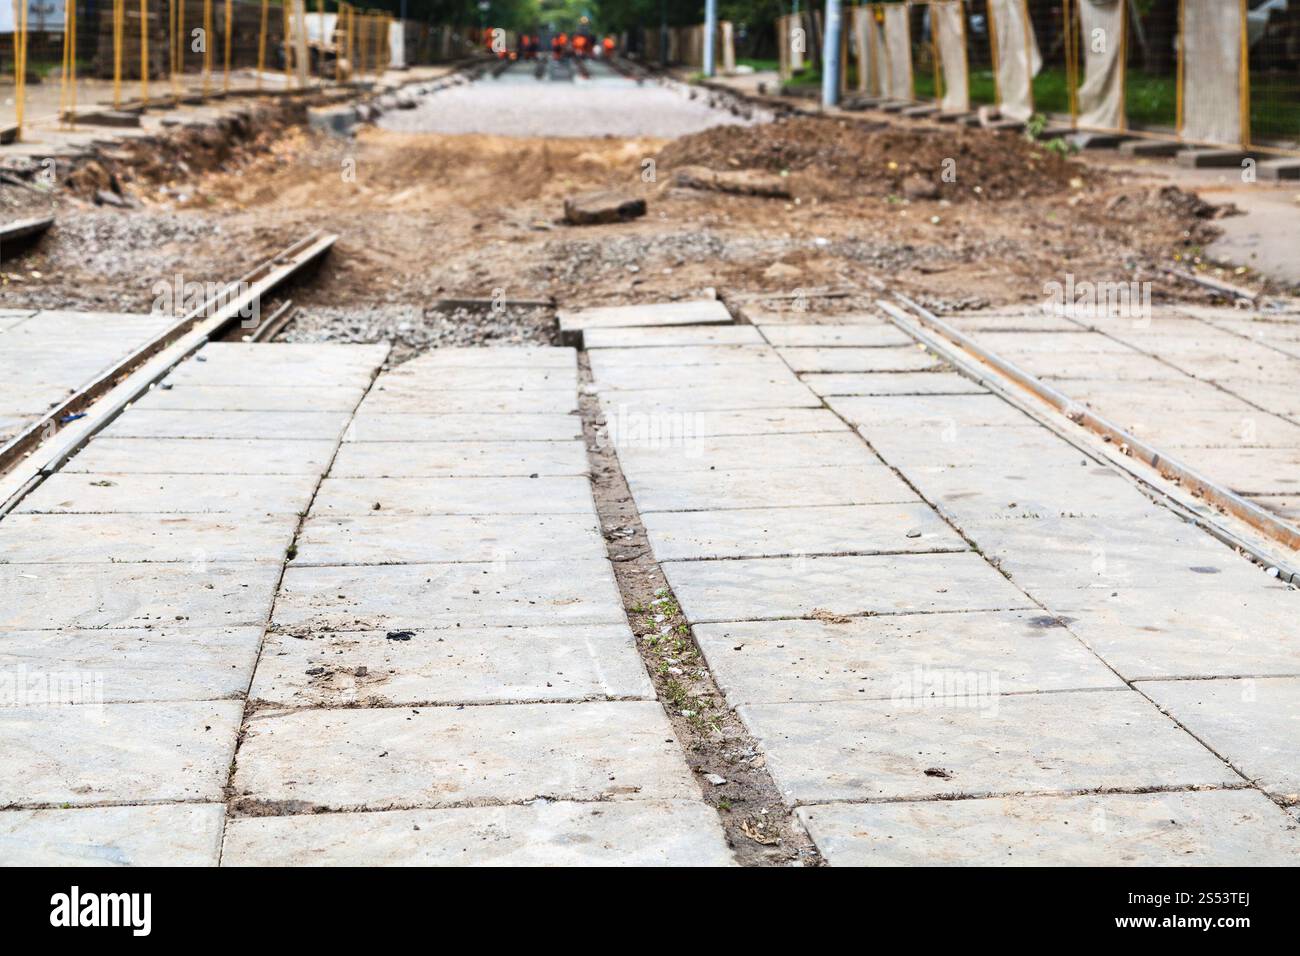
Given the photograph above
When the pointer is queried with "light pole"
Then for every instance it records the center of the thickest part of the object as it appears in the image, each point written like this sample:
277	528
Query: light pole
831	55
710	35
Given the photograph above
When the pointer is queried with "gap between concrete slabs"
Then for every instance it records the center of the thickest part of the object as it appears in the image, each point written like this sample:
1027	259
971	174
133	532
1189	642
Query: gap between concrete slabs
759	827
228	788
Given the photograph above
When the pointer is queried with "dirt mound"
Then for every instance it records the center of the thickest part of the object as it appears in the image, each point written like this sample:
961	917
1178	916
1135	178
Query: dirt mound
838	158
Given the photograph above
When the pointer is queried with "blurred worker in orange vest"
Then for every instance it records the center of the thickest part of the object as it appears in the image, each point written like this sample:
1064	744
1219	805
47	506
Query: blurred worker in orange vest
608	44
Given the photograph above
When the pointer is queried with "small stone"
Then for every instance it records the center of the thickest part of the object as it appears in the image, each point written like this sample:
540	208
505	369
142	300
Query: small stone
918	187
714	779
602	206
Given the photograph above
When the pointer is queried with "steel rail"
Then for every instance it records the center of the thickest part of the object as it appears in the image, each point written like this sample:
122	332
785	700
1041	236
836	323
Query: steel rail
24	462
1128	445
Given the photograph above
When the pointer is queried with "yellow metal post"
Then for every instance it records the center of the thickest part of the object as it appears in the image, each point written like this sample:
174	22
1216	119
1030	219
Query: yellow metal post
180	47
20	69
118	24
207	46
144	54
68	76
363	36
261	43
226	79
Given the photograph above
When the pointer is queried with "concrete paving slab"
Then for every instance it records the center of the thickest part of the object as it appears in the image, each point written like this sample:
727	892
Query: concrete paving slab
1176	632
788	393
604	361
1156	550
688	312
875	335
397	758
706	490
1242	427
1247	471
959	411
1198	828
227	424
896	383
205	456
726	453
744	376
550	834
432	496
452	665
260	398
1029	319
495	356
423	595
754	588
899	657
986	745
160	835
54	596
671	336
1026	491
1185	394
382	427
940	444
129	664
13	425
379	538
94	493
295	354
765	317
1076	341
830	529
214	365
1253	723
126	538
896	359
117	753
402	382
631	425
413	400
1068	364
431	459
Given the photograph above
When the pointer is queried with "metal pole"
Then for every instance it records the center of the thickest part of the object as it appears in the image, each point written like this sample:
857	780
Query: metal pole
831	55
710	35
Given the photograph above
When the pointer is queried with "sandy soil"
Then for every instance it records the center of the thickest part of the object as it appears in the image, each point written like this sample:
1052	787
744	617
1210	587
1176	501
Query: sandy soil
423	216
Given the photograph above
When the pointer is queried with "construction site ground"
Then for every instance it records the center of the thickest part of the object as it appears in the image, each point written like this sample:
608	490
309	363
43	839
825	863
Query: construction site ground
659	541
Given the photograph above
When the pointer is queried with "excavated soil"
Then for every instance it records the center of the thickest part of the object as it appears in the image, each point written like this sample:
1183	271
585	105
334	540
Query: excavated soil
846	158
428	216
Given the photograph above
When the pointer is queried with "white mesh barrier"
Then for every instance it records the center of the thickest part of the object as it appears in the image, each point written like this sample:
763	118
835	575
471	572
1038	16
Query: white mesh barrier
1101	94
950	39
896	68
862	24
1211	71
1018	60
871	61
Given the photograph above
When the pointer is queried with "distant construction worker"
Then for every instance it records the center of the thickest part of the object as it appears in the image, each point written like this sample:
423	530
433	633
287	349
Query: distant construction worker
608	44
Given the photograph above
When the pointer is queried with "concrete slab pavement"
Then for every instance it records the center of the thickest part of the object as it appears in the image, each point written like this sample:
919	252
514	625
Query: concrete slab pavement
1229	827
858	690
